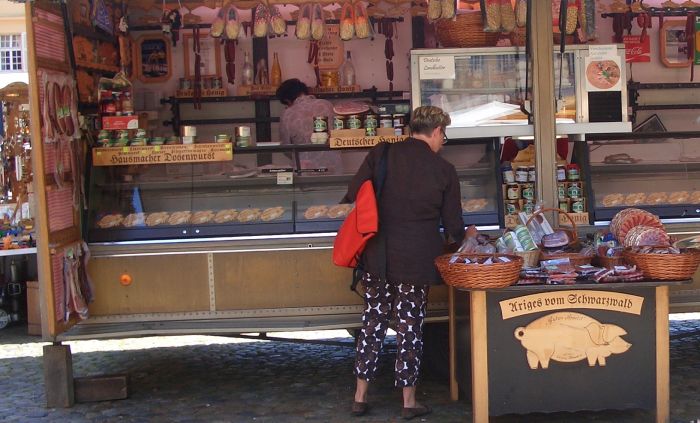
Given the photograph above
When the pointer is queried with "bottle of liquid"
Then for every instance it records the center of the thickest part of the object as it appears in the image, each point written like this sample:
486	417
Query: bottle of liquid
247	74
275	72
347	72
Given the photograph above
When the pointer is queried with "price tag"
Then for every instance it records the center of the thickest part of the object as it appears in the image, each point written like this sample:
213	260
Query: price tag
285	178
125	149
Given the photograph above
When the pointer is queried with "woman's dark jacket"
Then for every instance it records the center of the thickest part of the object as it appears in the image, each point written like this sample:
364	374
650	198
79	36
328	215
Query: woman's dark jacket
421	189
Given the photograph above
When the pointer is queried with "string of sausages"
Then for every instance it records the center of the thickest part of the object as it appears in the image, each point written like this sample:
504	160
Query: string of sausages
313	58
230	56
386	27
197	97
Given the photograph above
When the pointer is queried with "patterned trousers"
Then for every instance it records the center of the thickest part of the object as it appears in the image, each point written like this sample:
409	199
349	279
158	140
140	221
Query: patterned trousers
382	300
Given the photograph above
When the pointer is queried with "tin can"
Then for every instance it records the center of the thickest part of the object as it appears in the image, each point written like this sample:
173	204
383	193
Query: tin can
528	191
370	131
385	121
512	206
561	190
398	130
216	82
512	242
320	124
529	207
354	122
521	174
578	205
185	84
339	122
531	174
371	121
508	175
523	235
513	191
574	190
564	205
561	173
399	120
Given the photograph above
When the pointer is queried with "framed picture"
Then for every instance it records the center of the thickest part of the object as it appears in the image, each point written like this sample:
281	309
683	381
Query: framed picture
153	60
651	124
210	54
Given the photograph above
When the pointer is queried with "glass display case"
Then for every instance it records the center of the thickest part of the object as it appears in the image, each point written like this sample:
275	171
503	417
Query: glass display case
484	89
262	191
658	175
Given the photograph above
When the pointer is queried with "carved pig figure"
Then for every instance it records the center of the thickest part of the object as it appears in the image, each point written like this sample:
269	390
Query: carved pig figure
570	337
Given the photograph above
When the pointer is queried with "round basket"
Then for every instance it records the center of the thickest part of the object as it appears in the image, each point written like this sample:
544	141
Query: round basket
466	30
610	262
576	259
479	276
666	267
530	258
573	236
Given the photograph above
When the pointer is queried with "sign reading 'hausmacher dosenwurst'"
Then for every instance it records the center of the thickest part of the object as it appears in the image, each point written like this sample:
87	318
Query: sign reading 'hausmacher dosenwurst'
161	154
561	300
359	142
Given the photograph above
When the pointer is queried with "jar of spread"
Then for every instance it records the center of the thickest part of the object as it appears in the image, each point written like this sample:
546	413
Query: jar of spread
320	124
339	122
574	190
578	205
521	174
385	121
508	175
399	120
572	172
398	130
564	205
561	190
354	122
371	121
513	191
531	174
529	207
561	173
512	206
528	191
370	131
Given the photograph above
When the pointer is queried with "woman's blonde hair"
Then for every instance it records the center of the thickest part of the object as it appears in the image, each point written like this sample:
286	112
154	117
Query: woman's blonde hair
425	119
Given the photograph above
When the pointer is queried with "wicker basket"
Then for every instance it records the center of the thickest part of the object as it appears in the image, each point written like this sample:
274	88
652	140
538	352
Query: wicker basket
666	267
530	258
466	30
479	276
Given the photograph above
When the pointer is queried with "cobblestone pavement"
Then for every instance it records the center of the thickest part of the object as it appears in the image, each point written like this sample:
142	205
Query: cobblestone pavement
219	379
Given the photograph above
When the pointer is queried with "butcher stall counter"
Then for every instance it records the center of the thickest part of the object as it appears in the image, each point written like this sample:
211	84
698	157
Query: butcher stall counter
552	348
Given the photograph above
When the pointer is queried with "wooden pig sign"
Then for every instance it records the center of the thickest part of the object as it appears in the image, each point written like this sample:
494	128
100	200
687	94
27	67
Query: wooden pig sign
570	337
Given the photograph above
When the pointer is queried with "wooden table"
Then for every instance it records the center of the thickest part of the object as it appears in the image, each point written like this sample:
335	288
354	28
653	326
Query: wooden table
550	348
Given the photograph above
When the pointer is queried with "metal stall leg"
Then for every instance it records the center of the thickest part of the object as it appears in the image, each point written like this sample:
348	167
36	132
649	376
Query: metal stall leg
58	376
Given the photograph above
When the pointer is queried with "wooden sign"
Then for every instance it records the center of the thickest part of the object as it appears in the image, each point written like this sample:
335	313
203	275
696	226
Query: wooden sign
363	142
569	337
331	51
162	154
561	300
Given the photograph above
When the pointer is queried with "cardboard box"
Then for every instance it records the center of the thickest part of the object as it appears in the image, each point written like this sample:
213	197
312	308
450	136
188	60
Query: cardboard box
120	122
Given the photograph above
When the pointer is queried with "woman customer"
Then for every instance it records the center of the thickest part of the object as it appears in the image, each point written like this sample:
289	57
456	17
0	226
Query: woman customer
420	191
297	124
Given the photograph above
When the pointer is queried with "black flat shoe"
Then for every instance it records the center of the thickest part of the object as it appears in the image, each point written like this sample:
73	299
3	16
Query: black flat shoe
359	408
410	412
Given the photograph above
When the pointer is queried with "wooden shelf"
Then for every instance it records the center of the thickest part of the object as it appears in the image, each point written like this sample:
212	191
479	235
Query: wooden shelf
161	154
397	95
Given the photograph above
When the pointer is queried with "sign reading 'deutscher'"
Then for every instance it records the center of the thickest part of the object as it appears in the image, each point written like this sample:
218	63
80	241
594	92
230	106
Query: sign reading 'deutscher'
160	154
579	299
358	142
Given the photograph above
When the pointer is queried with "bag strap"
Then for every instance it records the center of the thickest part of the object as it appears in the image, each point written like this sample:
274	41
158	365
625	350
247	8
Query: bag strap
378	179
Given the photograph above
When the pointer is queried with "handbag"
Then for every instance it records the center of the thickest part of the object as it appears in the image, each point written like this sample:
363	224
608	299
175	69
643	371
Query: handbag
362	223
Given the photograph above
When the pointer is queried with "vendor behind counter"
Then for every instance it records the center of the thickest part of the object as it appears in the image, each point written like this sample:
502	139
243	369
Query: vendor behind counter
297	124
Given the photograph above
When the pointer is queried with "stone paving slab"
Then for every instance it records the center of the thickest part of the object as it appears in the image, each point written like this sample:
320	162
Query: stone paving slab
219	379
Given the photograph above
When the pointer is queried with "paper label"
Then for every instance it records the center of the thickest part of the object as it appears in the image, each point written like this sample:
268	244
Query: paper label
285	178
436	67
603	68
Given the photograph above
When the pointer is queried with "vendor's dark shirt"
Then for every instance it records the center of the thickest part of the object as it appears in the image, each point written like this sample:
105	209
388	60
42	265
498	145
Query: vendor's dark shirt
421	190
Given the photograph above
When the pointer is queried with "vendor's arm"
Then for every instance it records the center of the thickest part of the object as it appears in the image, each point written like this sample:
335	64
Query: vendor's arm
452	208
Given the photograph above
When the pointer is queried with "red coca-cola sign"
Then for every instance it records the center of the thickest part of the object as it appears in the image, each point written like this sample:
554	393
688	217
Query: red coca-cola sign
636	50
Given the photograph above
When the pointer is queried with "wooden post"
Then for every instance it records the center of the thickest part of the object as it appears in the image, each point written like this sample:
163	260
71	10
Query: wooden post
480	368
454	387
58	376
662	356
